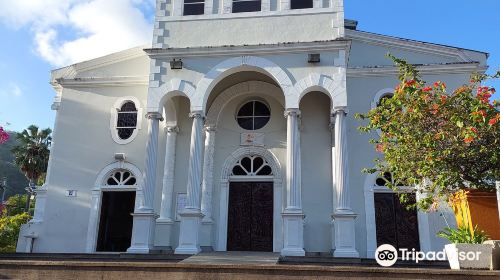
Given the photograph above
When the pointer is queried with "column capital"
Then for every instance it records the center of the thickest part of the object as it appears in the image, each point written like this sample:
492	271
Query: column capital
172	129
292	112
339	110
210	128
197	115
154	115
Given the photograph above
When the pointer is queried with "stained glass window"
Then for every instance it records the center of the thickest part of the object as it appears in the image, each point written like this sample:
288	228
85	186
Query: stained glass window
127	120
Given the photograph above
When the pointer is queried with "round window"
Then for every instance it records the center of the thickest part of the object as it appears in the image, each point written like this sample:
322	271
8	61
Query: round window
253	115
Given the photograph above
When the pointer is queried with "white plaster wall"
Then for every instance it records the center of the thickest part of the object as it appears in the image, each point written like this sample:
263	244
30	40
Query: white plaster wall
317	192
83	148
365	54
249	28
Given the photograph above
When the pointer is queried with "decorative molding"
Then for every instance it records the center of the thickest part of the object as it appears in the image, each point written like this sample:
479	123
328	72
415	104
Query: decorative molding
430	69
158	96
227	67
249	50
96	196
224	194
154	116
103	81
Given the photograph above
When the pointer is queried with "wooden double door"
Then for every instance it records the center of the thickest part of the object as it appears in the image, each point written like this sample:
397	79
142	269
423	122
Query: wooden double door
250	217
396	225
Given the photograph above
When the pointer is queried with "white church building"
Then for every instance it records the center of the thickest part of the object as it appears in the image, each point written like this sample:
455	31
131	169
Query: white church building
233	131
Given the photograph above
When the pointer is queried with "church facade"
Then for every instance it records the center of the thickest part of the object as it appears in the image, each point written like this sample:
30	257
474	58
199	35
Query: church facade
233	131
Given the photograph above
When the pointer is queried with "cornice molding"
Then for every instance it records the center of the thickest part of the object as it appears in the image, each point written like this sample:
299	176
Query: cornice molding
431	69
258	50
407	44
103	81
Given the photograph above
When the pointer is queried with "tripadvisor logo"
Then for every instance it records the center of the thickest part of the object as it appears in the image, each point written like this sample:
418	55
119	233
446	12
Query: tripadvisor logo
386	255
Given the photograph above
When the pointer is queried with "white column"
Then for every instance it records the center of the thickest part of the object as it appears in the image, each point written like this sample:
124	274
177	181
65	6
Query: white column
343	216
293	217
191	216
144	219
208	168
168	176
334	176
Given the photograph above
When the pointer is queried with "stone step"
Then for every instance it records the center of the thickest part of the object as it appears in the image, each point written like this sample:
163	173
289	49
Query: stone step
139	269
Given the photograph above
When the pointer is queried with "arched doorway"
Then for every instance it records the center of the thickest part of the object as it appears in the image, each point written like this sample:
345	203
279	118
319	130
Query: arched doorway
250	202
117	194
250	209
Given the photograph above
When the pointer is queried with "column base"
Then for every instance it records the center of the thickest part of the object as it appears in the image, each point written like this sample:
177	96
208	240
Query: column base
189	243
345	234
163	232
143	233
293	231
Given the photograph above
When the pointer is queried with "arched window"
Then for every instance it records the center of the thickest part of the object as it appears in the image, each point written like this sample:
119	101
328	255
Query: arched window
121	178
383	98
301	4
253	115
125	120
383	179
252	166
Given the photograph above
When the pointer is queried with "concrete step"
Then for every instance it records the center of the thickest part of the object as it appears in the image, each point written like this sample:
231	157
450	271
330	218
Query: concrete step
153	270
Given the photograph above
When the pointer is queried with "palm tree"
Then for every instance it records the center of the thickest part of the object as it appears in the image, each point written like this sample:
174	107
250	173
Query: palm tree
32	155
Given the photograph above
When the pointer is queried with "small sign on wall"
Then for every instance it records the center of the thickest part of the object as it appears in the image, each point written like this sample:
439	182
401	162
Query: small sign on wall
180	205
71	193
252	139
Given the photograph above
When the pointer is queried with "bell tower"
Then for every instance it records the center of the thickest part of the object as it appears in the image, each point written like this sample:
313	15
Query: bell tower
210	23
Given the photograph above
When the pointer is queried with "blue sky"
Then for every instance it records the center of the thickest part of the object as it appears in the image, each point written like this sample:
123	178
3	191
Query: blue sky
40	35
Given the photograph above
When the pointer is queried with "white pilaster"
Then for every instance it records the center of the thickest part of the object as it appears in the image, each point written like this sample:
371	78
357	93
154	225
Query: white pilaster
343	216
293	217
168	176
208	167
191	215
144	218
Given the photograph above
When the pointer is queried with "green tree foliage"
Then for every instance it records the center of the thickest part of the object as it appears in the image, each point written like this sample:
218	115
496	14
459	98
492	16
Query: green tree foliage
439	142
32	154
9	231
16	205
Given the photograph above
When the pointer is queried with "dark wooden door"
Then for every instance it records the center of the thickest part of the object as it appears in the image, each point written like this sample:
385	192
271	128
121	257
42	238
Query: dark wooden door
396	225
250	217
115	226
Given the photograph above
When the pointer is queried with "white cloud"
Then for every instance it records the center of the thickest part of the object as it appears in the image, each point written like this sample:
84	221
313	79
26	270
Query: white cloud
11	90
69	31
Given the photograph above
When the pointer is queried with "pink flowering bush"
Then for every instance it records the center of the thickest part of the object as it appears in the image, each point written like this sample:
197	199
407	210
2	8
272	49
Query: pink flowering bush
4	136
